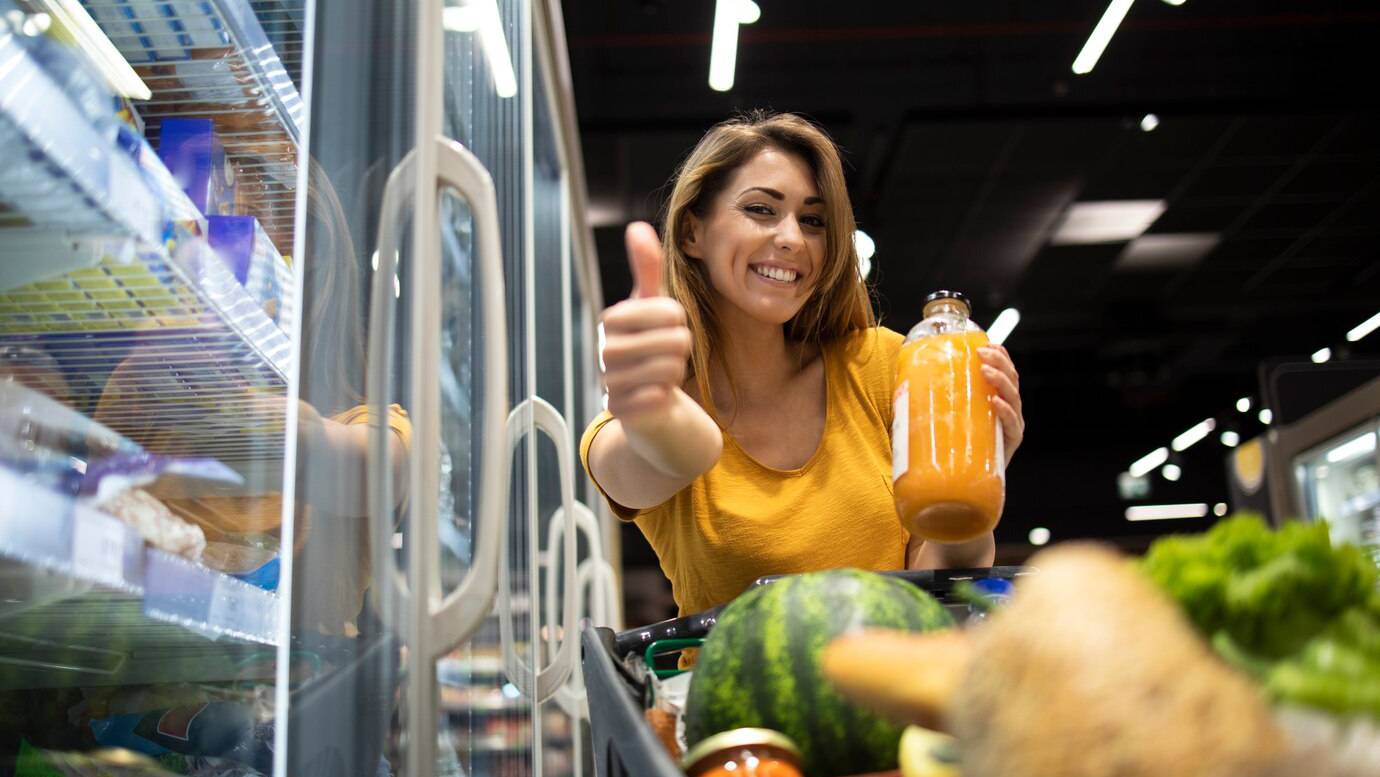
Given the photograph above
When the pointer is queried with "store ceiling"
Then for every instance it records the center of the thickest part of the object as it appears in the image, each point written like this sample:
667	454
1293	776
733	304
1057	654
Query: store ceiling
968	139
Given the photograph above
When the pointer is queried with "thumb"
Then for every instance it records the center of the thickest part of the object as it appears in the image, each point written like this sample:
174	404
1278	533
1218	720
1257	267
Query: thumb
645	260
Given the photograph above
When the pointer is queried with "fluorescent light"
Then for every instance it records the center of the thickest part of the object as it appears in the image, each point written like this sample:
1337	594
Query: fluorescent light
1321	355
1174	2
723	52
1166	251
1166	512
1149	122
1101	35
1230	439
1243	405
1001	328
482	16
1147	463
864	244
1219	509
1038	536
1171	472
1352	449
1364	328
1111	221
1193	434
93	45
1265	415
866	248
462	18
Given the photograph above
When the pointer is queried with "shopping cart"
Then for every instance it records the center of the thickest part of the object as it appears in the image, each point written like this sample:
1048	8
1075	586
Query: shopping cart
618	679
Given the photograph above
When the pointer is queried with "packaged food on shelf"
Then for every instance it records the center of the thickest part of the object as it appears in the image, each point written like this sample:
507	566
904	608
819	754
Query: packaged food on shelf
196	158
252	563
245	249
155	523
43	37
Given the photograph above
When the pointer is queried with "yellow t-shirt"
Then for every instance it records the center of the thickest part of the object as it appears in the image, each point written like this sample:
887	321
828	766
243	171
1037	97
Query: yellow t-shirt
742	519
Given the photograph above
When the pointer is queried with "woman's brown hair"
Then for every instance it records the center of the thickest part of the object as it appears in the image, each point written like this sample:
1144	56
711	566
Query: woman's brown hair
839	302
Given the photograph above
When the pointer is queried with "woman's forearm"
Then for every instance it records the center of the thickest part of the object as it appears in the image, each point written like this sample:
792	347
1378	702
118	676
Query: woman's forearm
929	554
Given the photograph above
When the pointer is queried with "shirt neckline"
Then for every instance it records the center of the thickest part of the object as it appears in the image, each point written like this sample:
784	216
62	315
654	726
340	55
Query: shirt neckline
824	351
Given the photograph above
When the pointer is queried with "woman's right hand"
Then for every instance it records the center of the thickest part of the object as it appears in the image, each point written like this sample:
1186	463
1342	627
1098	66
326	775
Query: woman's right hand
646	342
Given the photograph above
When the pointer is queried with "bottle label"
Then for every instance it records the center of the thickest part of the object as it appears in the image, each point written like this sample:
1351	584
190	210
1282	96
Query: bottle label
900	431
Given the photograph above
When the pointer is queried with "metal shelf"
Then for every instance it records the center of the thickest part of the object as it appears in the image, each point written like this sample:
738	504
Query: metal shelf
169	351
214	59
61	174
86	603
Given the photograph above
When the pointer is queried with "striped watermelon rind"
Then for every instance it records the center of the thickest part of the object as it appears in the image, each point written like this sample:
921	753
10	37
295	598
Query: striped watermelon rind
760	666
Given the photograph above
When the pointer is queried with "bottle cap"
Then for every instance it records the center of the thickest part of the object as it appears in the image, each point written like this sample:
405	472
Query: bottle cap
945	295
738	738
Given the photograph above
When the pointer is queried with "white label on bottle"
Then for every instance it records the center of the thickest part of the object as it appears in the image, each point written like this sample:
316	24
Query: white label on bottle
900	431
98	549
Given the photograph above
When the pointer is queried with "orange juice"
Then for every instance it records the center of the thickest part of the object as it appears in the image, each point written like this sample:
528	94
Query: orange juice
948	466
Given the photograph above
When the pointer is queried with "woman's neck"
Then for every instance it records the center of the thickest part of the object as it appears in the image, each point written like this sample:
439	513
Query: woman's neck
758	355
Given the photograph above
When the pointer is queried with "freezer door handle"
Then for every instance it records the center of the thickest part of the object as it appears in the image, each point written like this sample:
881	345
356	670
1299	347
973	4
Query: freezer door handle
595	581
541	685
460	614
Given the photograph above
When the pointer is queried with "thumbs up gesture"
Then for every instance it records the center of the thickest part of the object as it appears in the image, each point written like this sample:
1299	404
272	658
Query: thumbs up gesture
646	340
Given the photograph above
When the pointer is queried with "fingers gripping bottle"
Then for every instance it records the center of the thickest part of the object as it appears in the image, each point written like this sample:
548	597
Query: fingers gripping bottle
947	463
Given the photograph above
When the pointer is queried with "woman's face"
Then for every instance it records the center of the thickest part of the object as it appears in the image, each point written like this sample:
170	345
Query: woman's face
763	239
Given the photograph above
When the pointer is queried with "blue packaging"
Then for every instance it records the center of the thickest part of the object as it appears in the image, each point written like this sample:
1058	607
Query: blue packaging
245	249
196	159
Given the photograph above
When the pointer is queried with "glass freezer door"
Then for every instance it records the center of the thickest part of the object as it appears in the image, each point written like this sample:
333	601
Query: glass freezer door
148	179
1337	482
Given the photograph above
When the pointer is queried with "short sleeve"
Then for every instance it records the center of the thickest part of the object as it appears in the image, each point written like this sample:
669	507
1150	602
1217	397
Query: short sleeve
599	422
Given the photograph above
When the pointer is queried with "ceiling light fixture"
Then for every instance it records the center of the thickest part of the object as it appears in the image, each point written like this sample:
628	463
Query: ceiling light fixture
1149	122
1100	37
1364	328
1193	434
1110	221
1230	439
1266	416
1219	509
1147	463
1321	355
1166	251
1174	2
1166	512
1001	328
1352	449
1171	472
866	248
1243	405
1038	536
723	51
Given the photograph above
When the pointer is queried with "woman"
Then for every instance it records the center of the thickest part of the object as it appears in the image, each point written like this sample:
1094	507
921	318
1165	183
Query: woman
749	388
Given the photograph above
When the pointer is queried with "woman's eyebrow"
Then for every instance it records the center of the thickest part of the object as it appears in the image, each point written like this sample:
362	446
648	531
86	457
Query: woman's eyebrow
774	194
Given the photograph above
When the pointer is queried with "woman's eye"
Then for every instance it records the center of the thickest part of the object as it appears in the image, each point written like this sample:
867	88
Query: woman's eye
760	210
812	221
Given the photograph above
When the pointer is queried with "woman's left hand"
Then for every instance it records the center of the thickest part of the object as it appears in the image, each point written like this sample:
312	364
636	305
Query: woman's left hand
1000	372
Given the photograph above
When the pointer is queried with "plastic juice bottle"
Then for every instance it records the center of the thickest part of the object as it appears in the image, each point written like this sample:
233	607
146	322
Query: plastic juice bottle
947	463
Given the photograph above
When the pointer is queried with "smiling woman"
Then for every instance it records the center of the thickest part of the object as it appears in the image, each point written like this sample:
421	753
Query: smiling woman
750	392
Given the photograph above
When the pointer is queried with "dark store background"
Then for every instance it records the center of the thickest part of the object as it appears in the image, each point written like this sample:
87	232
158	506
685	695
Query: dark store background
968	139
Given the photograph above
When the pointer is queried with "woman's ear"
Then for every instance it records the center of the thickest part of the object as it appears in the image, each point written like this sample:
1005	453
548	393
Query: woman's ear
692	236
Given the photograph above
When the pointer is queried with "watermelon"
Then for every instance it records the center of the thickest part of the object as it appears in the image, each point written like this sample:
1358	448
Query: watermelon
760	666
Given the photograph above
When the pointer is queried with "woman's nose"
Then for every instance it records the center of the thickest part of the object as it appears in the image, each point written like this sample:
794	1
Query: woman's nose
788	235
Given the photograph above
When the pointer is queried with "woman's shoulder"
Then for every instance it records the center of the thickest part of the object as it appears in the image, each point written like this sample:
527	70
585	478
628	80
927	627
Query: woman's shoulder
869	346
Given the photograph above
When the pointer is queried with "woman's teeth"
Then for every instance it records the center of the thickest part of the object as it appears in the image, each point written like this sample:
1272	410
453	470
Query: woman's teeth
776	273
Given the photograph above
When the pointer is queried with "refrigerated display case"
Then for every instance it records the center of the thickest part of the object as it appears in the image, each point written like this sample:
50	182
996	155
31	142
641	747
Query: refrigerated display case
1329	464
1337	482
296	312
